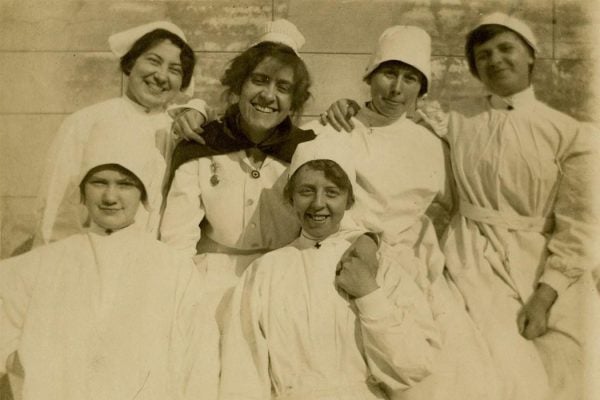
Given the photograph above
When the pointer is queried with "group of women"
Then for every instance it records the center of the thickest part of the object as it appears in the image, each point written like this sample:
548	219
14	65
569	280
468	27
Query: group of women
300	263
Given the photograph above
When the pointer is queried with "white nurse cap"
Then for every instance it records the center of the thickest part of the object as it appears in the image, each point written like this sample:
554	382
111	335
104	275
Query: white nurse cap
115	141
120	43
284	32
327	146
512	23
408	44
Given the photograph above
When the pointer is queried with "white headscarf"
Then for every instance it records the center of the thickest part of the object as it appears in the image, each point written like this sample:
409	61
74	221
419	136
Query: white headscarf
408	44
327	146
512	23
114	141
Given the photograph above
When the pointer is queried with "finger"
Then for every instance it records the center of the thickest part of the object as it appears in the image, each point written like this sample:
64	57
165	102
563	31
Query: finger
189	133
329	116
323	119
340	116
354	107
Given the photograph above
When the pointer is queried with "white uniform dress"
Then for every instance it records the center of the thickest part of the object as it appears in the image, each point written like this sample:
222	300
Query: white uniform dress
59	210
525	175
293	335
401	169
104	317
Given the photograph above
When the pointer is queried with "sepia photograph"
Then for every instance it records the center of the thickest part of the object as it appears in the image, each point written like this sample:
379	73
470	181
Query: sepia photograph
300	199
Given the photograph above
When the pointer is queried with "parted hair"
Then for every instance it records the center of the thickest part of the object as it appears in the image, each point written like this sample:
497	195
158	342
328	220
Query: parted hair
331	170
242	66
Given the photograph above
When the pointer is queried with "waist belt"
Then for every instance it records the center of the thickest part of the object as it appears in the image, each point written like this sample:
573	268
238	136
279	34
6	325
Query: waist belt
505	220
208	245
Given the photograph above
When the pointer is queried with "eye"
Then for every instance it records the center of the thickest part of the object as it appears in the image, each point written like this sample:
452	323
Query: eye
304	191
389	73
177	70
284	87
259	79
332	193
153	60
481	55
127	184
97	182
411	78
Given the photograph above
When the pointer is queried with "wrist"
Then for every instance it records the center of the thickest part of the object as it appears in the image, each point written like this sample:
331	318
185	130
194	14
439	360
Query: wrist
545	295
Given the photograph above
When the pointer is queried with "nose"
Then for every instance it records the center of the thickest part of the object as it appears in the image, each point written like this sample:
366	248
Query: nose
494	57
396	86
161	74
268	92
109	196
318	201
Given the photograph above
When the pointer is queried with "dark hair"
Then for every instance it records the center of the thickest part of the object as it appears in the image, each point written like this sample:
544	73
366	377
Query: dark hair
331	170
151	39
113	167
243	65
385	64
481	35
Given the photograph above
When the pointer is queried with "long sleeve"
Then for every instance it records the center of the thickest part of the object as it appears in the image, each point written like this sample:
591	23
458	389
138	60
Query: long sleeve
184	211
17	279
576	213
399	335
245	358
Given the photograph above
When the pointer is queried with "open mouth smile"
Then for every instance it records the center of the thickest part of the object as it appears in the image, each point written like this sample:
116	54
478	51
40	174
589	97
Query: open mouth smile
264	109
154	88
317	218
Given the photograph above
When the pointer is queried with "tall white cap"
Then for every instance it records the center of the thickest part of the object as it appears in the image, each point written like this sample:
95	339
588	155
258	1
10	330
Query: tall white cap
284	32
120	43
408	44
115	141
327	146
512	23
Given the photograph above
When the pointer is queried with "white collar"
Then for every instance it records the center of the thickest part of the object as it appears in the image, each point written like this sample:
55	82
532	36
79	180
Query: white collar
140	108
523	99
98	230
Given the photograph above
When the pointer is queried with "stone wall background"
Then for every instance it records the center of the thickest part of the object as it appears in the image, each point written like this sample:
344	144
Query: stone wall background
54	60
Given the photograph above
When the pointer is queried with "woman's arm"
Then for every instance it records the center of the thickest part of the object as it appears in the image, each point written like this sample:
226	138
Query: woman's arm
180	224
17	280
398	331
573	242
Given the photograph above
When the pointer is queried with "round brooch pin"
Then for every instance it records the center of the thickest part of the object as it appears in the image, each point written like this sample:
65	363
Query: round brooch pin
255	174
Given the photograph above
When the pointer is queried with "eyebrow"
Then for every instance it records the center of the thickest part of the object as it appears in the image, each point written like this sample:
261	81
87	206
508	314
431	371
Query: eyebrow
151	53
263	75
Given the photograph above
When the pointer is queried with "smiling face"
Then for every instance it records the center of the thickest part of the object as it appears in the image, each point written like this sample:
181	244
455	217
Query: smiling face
504	63
266	98
112	197
318	202
156	76
395	88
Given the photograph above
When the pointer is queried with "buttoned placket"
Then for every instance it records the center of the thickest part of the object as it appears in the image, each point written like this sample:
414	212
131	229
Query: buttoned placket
253	187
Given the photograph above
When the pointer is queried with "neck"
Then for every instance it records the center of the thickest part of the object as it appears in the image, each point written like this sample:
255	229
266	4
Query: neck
146	108
256	136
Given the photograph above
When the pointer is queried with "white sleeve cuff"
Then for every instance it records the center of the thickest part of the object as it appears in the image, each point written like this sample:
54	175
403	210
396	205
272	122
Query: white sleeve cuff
555	280
194	104
374	305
